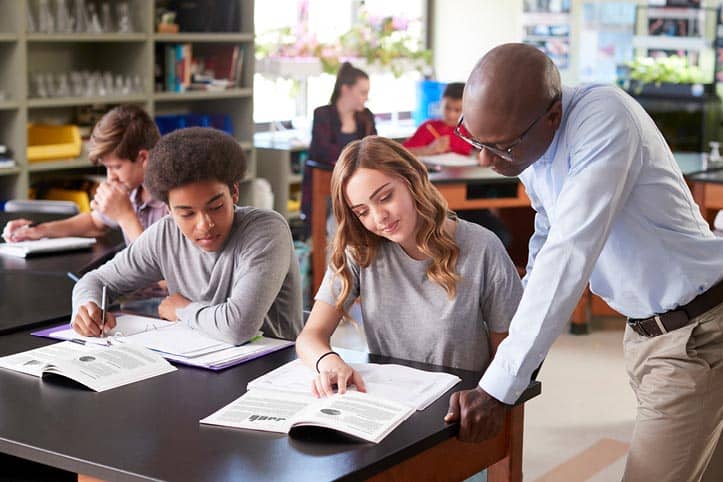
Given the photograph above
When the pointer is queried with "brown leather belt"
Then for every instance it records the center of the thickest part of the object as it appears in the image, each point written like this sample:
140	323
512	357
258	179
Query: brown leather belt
681	316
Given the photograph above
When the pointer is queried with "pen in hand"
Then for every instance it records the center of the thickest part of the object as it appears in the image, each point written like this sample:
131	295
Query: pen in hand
103	304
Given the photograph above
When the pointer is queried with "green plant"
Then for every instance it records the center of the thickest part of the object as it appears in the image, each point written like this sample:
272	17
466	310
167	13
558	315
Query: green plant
674	69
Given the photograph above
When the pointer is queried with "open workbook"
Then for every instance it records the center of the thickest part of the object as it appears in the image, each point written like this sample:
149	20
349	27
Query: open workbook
97	367
175	341
23	249
281	401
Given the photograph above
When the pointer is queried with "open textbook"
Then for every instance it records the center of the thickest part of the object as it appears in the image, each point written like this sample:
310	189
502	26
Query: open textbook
281	401
175	341
98	368
23	249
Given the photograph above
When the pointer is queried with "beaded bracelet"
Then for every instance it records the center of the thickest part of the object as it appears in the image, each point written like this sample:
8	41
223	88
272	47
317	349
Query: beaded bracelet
322	356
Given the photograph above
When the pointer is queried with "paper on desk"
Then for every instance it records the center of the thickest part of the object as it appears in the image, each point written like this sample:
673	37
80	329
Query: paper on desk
22	249
449	159
412	387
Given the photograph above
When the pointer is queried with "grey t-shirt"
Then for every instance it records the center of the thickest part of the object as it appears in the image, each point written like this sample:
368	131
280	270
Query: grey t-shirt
407	315
252	283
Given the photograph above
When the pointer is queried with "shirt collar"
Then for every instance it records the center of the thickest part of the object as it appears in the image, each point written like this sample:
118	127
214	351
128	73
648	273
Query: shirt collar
136	196
549	155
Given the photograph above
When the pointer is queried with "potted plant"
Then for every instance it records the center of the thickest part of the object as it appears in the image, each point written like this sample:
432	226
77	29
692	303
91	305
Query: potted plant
671	76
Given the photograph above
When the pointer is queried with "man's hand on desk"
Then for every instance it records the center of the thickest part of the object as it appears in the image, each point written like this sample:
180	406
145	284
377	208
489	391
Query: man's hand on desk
88	320
167	308
480	415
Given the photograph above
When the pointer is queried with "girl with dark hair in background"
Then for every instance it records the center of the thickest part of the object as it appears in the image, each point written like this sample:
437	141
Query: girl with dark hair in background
343	120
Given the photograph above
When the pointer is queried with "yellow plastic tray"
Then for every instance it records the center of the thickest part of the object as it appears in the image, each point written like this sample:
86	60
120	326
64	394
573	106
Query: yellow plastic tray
52	142
78	197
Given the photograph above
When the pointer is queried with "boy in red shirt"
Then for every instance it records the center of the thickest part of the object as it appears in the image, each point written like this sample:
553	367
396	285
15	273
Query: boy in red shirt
437	136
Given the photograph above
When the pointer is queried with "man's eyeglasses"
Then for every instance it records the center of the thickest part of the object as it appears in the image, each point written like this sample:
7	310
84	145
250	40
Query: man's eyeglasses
503	151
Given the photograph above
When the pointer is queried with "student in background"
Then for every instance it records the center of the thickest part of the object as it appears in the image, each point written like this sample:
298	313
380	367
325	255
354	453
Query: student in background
231	270
343	120
120	141
436	136
433	288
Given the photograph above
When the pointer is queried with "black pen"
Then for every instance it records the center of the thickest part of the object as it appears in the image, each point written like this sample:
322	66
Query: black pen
103	303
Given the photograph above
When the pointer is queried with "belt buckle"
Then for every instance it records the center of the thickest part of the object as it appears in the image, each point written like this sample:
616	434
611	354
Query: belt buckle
661	327
637	326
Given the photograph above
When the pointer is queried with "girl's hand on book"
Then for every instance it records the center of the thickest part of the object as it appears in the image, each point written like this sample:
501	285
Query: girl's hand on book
334	371
88	319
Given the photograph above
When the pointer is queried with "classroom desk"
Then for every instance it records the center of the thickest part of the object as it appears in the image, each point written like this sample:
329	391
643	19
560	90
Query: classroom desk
30	298
707	190
150	430
78	262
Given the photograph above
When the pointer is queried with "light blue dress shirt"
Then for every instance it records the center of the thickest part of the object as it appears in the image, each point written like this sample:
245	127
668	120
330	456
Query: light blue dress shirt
612	208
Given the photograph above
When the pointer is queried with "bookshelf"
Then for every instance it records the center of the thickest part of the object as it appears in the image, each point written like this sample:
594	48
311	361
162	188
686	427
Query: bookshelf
132	55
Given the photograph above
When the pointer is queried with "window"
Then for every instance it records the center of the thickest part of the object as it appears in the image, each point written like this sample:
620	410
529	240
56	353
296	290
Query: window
293	94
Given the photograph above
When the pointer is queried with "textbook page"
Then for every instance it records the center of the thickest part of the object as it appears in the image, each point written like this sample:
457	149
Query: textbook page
33	361
270	411
22	249
357	414
98	368
410	386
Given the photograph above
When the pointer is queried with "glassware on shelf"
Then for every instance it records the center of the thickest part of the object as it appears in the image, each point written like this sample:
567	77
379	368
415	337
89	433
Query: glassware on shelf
84	83
32	26
123	17
46	23
105	18
93	20
64	22
80	17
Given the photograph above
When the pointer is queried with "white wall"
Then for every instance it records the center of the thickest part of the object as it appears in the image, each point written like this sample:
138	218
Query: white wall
464	30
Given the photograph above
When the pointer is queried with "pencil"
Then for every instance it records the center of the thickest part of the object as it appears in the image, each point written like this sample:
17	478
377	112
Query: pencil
434	132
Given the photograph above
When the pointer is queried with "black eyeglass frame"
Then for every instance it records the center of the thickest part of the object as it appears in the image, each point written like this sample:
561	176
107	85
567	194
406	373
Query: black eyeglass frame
503	152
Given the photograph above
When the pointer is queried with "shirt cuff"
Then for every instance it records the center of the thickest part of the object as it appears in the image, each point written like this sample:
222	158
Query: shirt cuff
504	387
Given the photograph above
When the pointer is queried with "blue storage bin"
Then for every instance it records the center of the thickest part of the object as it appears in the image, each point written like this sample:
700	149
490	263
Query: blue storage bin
171	122
429	95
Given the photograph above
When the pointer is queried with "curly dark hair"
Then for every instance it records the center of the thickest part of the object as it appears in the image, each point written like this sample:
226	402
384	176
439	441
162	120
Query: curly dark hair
191	155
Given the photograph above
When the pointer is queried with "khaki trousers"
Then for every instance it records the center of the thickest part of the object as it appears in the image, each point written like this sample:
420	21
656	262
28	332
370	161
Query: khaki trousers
678	381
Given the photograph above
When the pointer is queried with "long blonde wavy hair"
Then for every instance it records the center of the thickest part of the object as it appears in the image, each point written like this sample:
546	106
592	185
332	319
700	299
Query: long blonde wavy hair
391	158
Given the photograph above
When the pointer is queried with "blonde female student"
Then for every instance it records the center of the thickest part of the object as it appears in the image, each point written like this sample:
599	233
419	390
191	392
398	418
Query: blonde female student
433	288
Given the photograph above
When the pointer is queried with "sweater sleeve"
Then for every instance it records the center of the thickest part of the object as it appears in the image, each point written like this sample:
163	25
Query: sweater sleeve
135	267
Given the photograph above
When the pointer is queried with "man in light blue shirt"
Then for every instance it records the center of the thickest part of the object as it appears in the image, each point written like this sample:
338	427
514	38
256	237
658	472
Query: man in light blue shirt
612	209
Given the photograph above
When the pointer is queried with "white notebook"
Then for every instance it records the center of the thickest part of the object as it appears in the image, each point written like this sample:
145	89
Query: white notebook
23	249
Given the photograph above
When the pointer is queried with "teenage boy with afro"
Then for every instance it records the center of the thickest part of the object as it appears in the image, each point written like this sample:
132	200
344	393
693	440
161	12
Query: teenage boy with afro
231	270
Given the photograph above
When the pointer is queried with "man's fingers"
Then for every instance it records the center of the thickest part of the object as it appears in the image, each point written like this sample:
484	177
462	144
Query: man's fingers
453	412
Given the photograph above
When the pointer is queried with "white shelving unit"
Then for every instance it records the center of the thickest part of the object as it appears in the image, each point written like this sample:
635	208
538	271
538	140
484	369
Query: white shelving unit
129	54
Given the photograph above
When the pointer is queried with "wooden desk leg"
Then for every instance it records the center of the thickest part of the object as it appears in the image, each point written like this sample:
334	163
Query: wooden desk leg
321	184
509	469
580	320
